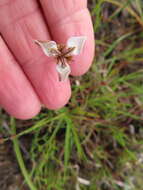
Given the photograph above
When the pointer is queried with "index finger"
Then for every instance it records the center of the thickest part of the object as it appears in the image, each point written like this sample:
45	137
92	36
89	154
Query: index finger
68	18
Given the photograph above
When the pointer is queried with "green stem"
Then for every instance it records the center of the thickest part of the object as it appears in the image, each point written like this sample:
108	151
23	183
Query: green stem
20	158
128	8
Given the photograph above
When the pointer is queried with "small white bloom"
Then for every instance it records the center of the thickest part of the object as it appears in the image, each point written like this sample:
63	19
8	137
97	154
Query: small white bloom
73	47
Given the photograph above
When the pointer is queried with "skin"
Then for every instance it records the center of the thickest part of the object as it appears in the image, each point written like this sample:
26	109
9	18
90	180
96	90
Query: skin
28	78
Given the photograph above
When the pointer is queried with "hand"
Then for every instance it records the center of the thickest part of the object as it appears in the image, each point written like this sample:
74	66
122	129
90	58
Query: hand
28	78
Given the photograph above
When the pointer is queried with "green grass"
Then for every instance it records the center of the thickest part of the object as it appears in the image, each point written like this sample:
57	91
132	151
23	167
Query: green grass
98	136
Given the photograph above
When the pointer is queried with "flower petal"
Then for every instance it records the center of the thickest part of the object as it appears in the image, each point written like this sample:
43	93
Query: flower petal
77	42
63	71
50	48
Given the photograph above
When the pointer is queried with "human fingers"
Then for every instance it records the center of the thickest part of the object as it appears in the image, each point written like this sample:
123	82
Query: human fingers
17	96
67	18
22	22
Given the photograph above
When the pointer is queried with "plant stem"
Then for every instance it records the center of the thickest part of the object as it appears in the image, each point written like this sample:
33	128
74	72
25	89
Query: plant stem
19	157
128	9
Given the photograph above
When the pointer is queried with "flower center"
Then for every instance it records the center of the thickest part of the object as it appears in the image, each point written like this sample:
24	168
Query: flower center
64	54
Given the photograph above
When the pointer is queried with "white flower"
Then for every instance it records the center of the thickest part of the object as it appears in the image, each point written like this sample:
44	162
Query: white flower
63	54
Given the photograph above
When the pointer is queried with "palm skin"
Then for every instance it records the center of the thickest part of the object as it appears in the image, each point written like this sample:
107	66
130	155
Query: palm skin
27	77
